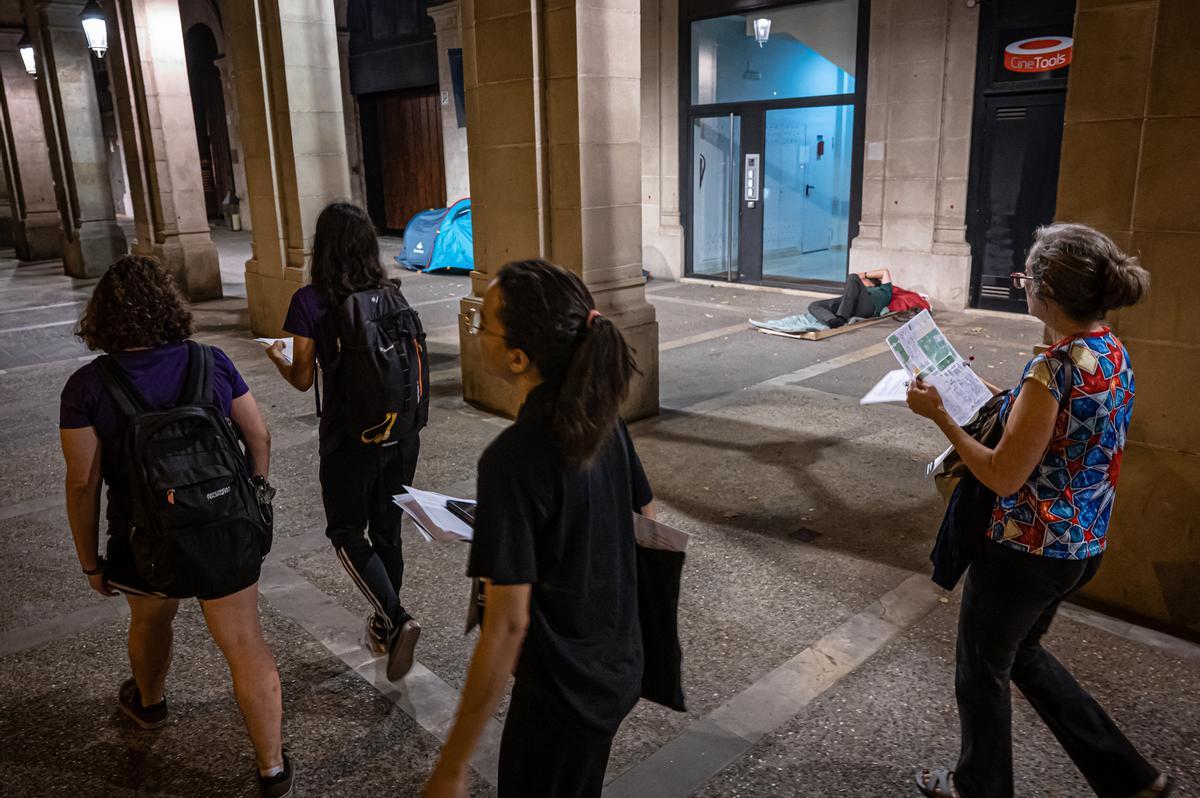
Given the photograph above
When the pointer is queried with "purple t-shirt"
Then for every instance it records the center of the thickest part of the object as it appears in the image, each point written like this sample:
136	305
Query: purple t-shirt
158	374
310	315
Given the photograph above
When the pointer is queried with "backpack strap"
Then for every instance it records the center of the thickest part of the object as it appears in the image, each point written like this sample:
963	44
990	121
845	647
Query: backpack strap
197	385
124	393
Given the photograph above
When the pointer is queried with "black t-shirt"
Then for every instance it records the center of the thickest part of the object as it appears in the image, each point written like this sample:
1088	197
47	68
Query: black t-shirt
569	534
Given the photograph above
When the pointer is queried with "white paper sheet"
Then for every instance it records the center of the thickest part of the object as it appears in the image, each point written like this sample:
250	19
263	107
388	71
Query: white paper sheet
922	349
429	511
288	346
937	461
892	388
653	535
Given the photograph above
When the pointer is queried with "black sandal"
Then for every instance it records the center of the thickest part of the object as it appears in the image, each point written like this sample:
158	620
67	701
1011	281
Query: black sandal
937	783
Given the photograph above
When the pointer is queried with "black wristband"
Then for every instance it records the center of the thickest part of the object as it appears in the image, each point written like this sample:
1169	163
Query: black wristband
99	569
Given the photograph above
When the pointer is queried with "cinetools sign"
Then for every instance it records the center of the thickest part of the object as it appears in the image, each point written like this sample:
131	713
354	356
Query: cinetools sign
1039	54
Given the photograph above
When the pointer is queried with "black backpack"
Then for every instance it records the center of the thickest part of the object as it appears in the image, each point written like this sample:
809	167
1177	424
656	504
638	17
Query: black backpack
196	525
381	370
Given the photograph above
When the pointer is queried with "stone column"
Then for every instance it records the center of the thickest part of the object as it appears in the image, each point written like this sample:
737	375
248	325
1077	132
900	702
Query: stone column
553	127
6	210
36	224
920	93
448	25
92	240
154	108
354	155
235	145
293	139
662	228
1130	167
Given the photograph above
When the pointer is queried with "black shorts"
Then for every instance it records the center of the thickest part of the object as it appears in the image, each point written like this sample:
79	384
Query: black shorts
122	575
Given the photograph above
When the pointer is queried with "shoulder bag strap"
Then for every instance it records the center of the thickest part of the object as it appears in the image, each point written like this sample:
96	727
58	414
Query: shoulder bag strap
124	393
197	385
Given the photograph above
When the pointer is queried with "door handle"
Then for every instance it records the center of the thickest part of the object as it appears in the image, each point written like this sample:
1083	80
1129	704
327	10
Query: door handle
703	166
808	189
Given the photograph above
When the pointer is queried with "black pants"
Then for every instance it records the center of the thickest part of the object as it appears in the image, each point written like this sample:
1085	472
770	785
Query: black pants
362	521
543	754
854	302
1009	600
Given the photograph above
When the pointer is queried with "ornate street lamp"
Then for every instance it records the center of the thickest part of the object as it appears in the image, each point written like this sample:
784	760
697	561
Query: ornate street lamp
94	27
25	46
762	30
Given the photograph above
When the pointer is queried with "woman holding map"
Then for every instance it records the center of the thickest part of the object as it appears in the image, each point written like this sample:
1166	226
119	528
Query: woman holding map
1054	474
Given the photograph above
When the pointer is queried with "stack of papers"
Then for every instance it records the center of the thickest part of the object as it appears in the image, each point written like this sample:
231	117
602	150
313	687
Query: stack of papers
428	510
653	535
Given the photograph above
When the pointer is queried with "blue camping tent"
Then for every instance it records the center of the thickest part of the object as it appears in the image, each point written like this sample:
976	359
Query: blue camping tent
439	240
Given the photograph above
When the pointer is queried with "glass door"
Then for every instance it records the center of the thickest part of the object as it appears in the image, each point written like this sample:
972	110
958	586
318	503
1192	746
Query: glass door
806	192
716	148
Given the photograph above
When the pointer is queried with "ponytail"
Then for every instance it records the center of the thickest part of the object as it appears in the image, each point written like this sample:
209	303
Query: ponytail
596	382
582	357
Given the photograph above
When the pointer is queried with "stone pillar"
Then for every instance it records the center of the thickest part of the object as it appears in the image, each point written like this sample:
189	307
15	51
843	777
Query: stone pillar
92	240
6	210
236	161
354	158
36	224
920	95
448	25
553	110
293	140
662	228
154	107
1130	167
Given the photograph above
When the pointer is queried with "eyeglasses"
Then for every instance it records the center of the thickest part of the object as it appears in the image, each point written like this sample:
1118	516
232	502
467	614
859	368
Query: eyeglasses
1021	279
474	321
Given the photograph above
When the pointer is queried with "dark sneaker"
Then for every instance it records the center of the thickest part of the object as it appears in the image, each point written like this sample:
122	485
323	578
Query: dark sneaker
130	700
280	785
377	636
400	657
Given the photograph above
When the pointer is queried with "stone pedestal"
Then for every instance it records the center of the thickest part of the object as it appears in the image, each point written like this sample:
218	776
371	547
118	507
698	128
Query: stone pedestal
553	103
92	240
293	139
153	98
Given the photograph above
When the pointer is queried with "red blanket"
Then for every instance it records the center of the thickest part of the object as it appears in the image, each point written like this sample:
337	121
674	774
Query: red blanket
903	299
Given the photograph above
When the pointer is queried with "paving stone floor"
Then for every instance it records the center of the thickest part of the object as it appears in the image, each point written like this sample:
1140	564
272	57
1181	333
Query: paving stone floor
810	516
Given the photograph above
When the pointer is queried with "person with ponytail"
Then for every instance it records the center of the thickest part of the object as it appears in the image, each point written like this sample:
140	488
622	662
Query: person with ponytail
1054	473
554	544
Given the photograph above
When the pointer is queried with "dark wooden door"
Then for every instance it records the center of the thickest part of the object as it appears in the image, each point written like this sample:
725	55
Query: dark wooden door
408	156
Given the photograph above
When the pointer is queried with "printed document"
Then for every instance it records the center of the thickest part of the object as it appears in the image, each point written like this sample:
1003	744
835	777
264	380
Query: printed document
433	519
922	349
287	346
653	535
892	388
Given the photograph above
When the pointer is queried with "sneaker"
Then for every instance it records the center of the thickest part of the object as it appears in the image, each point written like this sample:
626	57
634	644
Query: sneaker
377	636
280	785
400	657
130	700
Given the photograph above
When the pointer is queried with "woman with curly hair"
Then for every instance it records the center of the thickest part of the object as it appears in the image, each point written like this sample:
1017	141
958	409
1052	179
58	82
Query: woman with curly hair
137	316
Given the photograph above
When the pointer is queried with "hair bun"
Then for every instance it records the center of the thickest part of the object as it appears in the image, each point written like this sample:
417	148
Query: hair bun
1125	282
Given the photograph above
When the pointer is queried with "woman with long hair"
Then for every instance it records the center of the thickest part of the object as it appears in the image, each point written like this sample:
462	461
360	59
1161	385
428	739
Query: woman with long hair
357	481
137	316
1054	473
553	542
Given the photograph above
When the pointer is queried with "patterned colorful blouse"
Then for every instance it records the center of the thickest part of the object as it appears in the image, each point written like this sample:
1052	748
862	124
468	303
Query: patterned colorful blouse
1062	511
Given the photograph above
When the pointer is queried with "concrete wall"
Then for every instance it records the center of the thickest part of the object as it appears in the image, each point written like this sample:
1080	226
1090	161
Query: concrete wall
920	93
1130	167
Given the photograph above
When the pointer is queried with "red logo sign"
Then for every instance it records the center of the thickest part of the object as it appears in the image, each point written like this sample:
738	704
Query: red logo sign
1039	54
